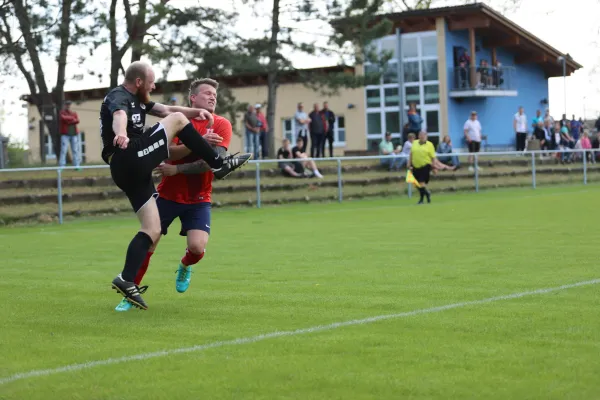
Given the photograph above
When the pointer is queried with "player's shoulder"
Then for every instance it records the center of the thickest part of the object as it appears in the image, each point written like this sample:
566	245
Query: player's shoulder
221	120
117	92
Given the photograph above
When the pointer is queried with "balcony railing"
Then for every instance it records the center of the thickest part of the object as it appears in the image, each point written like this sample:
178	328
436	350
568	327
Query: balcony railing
482	81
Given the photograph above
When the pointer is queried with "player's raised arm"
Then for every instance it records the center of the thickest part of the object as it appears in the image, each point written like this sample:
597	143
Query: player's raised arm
161	111
119	127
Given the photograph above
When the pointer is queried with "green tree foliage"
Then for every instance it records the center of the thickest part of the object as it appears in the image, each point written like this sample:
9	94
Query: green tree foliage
33	32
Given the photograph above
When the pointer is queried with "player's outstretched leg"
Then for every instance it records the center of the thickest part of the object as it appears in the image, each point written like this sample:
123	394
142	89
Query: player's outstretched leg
184	271
177	124
137	252
125	305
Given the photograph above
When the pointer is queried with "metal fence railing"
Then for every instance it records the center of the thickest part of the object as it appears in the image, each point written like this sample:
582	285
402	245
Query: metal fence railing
536	167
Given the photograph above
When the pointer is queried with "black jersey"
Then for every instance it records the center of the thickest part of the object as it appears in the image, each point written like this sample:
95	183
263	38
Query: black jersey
121	99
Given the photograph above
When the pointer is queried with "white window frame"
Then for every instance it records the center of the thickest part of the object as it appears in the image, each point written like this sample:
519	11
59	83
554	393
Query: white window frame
292	134
382	109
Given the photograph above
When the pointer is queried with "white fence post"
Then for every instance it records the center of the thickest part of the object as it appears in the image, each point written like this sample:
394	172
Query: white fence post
258	185
60	202
585	153
339	182
533	183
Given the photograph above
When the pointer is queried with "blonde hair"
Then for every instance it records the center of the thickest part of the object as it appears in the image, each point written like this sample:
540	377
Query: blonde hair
203	81
411	136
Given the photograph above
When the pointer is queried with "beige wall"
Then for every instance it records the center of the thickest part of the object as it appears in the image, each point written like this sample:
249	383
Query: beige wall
288	96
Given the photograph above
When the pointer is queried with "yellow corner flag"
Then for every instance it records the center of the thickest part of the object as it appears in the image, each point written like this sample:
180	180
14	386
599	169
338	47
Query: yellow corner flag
410	178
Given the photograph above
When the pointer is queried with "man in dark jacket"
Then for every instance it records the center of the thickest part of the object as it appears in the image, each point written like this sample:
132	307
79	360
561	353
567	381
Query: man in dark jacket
329	118
317	132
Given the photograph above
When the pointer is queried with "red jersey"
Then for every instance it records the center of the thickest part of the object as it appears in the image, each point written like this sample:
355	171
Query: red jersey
195	188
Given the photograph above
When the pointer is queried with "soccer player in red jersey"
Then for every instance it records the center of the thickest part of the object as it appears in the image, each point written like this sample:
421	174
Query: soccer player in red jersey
186	187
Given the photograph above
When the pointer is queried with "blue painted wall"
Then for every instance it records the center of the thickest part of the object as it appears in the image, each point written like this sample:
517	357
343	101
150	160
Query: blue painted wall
495	113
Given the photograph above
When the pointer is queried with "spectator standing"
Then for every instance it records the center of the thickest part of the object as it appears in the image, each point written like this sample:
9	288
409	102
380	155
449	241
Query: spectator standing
329	118
472	130
252	125
444	150
520	128
302	122
548	117
264	131
575	128
414	120
597	125
564	121
586	144
306	164
566	142
69	135
317	132
538	118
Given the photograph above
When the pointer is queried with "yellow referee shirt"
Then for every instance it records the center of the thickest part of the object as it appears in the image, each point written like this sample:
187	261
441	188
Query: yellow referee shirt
422	154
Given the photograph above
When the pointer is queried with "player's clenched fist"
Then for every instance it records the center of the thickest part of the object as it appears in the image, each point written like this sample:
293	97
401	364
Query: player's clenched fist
121	141
206	115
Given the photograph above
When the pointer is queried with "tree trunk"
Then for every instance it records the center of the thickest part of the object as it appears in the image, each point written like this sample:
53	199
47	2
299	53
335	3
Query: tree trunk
65	22
115	54
272	77
138	32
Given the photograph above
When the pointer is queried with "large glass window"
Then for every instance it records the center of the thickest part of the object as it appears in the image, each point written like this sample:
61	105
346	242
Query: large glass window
387	104
430	70
392	121
391	97
373	98
429	46
432	94
374	124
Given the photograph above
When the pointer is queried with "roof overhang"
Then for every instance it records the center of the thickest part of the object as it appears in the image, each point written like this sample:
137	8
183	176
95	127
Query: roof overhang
232	81
495	29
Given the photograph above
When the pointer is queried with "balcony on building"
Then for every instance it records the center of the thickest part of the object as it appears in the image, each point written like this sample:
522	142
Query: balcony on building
483	81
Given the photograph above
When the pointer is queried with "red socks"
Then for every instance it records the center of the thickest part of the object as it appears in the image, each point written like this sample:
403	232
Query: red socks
191	258
142	271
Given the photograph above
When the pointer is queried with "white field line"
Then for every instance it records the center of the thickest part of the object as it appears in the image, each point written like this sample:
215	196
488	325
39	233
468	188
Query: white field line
279	334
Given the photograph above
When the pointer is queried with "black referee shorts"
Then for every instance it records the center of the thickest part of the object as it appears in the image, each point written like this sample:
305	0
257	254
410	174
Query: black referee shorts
474	146
422	174
131	169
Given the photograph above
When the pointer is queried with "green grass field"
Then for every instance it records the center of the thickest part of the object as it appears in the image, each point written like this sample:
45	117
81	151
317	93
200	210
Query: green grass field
289	268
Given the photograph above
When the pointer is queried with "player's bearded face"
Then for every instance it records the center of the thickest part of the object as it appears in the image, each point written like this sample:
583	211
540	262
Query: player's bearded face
143	93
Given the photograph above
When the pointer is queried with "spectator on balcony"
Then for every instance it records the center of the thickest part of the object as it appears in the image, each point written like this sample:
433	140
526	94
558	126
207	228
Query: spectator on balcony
264	129
472	131
302	122
576	128
445	152
386	148
306	164
498	74
484	76
316	128
520	128
462	75
69	135
287	166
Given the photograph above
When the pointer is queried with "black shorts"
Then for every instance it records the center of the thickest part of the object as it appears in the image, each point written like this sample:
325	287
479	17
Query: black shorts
131	169
474	146
422	174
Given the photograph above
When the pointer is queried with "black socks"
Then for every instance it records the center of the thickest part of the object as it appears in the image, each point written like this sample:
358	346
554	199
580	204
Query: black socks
424	192
136	253
200	147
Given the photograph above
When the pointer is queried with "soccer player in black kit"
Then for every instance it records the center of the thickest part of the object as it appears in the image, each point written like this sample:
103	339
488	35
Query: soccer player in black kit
133	153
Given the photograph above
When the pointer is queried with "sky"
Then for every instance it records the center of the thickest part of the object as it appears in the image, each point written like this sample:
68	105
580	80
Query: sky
561	24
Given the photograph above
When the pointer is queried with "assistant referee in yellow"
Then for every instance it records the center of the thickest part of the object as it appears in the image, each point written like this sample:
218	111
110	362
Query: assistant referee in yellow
422	156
